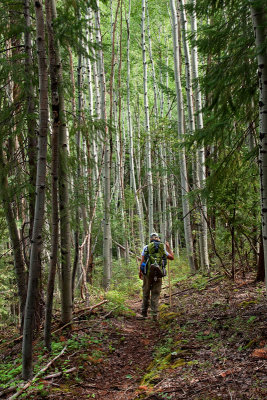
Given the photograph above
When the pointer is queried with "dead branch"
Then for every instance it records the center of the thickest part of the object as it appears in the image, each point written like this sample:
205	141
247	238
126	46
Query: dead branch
57	374
28	384
90	309
193	289
11	341
123	248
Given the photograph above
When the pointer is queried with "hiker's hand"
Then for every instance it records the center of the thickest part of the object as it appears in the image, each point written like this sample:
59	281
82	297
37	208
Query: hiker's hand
167	244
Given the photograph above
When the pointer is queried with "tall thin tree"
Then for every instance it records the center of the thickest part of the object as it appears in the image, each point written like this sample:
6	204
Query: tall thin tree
37	238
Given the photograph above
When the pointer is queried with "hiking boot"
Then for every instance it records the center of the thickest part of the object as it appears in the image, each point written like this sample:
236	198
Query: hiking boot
142	316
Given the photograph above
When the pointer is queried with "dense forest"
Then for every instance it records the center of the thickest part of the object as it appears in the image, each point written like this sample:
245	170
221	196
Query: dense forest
119	118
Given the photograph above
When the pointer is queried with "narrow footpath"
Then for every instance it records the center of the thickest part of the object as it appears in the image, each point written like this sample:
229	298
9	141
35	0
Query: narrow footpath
211	344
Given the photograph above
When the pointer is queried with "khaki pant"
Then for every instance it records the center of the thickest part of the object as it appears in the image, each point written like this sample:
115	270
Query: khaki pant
154	288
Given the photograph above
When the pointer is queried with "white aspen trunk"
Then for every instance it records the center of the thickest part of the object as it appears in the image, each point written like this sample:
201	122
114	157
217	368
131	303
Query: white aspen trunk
31	122
91	105
138	167
201	168
175	207
166	229
156	113
172	183
53	66
97	106
259	18
37	237
121	128
149	166
191	120
181	132
159	202
107	240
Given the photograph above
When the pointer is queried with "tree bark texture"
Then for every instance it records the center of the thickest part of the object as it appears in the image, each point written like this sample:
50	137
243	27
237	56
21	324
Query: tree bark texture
54	65
181	131
35	258
147	118
259	19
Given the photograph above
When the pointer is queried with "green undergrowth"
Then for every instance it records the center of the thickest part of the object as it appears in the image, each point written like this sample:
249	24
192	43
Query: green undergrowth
169	353
86	346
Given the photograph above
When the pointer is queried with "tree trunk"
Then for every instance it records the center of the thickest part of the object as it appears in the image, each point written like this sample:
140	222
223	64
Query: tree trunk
259	18
35	258
148	142
54	63
107	241
31	123
201	168
14	234
181	131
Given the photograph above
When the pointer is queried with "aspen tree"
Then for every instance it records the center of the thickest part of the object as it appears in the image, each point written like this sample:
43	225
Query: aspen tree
147	121
201	168
121	129
31	123
156	113
5	197
107	241
138	162
191	117
259	19
97	107
181	132
53	66
35	258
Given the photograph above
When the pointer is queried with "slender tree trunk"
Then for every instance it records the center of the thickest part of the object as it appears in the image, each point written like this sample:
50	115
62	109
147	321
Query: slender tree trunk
107	240
14	234
31	123
259	19
64	206
54	63
35	258
131	144
156	112
201	168
181	132
148	150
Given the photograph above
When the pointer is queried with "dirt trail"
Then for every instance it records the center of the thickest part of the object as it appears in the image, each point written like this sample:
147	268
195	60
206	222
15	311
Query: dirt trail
122	372
117	377
211	345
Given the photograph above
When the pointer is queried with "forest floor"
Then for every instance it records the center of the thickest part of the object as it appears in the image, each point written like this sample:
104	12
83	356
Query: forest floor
211	343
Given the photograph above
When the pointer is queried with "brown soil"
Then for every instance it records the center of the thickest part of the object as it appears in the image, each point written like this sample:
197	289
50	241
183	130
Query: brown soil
212	344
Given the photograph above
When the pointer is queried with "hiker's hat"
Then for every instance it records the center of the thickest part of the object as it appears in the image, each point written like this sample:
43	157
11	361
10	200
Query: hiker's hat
154	234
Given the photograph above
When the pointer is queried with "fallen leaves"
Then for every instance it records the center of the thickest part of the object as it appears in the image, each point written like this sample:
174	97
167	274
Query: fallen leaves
260	353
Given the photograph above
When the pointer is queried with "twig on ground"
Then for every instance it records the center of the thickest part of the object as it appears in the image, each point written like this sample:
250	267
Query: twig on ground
97	323
193	289
90	309
57	374
7	390
11	341
28	384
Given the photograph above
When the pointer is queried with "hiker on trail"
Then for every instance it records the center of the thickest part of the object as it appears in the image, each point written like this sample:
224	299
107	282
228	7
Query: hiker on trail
152	269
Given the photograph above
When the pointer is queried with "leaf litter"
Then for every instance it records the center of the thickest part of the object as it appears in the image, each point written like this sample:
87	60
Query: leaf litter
211	344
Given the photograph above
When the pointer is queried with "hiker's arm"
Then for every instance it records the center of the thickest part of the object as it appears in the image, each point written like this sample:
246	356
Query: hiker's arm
170	255
140	272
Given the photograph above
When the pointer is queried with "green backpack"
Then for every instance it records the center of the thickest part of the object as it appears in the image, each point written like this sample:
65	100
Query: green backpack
156	259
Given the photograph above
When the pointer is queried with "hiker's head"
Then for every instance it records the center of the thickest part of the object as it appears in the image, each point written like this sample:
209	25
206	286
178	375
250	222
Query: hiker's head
154	236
